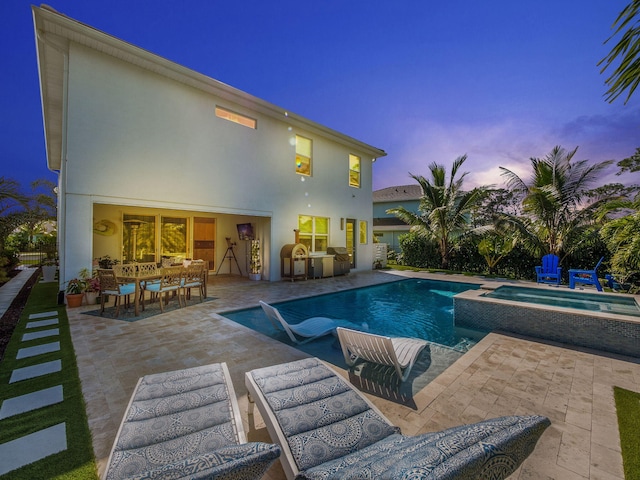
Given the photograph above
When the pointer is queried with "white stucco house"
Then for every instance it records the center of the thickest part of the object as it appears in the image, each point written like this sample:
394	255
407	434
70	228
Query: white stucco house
154	159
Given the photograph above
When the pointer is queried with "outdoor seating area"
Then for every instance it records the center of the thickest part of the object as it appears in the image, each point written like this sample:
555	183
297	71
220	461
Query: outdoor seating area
327	429
163	284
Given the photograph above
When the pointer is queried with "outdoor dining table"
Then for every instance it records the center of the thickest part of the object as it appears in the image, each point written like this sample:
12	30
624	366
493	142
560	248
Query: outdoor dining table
138	278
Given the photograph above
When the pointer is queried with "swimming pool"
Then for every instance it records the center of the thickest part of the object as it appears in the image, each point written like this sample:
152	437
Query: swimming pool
407	308
595	302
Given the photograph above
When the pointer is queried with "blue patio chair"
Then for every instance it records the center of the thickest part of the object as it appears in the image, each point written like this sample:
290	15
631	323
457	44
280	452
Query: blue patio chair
586	277
549	271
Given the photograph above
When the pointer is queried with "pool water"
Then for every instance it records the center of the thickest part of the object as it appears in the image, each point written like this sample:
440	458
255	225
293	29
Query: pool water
407	308
594	302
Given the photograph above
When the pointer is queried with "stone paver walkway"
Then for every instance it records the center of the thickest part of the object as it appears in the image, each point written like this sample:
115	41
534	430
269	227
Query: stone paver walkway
41	444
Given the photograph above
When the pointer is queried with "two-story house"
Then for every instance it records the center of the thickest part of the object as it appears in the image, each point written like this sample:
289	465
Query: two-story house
154	159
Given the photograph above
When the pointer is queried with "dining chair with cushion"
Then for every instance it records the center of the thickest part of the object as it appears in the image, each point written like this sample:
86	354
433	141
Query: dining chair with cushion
192	278
171	281
109	285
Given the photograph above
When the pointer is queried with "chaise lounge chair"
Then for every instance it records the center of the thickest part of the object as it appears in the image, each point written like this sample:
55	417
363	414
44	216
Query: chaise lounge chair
400	353
587	277
328	430
305	331
186	424
550	271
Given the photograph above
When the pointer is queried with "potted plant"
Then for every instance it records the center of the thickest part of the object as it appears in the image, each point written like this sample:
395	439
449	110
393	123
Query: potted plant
49	268
92	285
255	266
75	292
107	262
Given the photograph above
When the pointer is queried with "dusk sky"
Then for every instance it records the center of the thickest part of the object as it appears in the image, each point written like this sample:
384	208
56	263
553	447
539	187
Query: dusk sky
426	81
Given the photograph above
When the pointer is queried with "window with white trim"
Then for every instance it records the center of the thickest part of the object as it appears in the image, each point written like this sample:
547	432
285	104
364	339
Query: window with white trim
314	232
354	171
303	155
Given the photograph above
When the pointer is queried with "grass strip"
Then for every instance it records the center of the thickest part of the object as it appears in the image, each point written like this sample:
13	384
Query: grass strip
628	409
77	461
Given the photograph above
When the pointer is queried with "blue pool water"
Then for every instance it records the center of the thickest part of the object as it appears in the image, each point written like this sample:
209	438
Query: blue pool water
594	302
407	308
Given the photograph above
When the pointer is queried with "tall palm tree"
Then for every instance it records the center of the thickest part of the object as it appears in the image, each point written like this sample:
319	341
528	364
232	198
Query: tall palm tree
557	210
444	211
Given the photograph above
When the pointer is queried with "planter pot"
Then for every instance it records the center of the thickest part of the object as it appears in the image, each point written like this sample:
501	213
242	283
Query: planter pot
91	297
255	276
49	273
74	299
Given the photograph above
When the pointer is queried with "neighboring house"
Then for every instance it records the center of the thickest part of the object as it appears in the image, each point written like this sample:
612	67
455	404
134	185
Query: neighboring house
387	228
155	159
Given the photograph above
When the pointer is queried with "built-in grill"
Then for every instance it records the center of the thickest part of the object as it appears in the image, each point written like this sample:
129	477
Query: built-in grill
293	258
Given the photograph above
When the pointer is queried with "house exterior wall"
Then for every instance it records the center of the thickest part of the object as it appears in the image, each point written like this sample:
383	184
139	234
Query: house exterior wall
140	139
390	234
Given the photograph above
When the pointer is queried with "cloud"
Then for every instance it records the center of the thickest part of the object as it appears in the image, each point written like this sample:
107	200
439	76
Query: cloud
507	143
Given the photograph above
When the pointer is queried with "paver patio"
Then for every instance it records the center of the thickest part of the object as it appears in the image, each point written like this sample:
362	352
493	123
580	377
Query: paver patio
501	375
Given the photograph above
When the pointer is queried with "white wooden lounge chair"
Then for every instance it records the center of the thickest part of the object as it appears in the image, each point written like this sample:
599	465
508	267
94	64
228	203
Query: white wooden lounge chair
302	332
186	424
327	429
400	353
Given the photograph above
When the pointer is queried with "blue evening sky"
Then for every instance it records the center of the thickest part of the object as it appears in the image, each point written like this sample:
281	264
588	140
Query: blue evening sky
426	81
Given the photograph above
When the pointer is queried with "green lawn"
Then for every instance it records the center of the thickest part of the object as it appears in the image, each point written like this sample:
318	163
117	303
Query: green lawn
77	461
628	409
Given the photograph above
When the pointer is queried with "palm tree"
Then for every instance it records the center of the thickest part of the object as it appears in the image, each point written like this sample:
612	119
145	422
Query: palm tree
622	235
445	209
555	203
626	76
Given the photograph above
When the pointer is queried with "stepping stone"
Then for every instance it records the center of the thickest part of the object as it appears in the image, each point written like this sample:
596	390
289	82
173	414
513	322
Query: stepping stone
33	447
35	371
41	334
31	401
33	316
43	323
38	350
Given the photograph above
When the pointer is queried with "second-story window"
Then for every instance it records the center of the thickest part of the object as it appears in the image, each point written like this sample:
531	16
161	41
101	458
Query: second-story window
303	155
354	171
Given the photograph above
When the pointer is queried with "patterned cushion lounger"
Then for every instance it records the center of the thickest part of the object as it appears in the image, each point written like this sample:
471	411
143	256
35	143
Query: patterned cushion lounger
328	430
186	424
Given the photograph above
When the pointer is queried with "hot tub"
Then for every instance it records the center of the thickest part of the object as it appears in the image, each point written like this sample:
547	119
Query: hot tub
606	322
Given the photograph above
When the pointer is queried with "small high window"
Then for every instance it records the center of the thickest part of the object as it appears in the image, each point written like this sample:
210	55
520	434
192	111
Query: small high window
236	117
303	155
354	171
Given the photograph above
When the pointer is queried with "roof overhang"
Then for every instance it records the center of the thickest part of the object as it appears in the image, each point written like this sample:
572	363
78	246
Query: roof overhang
54	33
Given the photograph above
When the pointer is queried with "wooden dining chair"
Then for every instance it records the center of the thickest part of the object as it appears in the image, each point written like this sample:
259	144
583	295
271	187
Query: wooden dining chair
192	278
171	281
109	285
